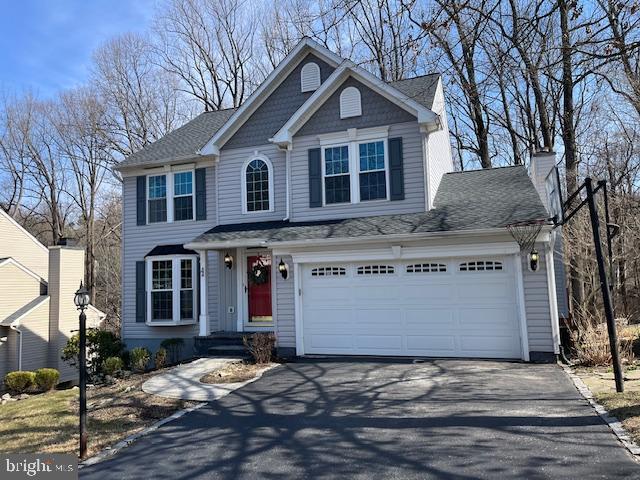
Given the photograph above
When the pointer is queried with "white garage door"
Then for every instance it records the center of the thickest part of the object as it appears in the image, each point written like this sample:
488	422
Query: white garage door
443	308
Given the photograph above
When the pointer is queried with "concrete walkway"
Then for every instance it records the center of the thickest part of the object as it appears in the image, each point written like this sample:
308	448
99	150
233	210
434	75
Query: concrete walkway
183	381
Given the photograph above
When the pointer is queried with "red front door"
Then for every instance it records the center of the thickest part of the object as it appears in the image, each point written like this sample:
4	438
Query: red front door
259	288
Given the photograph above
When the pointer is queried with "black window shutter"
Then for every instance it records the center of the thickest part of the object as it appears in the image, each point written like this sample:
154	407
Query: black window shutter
201	194
315	178
141	200
396	168
141	294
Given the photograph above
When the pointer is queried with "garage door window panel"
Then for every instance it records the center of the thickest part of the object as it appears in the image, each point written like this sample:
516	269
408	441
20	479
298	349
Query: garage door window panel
427	268
481	266
376	270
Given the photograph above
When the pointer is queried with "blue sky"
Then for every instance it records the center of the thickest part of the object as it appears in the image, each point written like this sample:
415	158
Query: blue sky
46	45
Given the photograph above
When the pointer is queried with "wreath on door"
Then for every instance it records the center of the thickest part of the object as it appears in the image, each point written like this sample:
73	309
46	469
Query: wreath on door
259	273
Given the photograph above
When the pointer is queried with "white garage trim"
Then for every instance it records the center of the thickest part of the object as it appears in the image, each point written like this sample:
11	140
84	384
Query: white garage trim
518	301
524	336
553	299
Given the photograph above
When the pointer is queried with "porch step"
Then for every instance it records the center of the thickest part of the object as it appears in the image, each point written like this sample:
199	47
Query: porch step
227	350
229	341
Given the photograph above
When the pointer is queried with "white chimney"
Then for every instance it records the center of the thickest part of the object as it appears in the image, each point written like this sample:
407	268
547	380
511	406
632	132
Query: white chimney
542	164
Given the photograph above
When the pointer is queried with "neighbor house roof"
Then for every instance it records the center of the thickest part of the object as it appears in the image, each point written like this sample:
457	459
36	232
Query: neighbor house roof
15	317
182	143
422	89
465	201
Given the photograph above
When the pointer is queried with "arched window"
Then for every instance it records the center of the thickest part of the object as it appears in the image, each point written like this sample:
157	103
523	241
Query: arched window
258	185
350	103
310	77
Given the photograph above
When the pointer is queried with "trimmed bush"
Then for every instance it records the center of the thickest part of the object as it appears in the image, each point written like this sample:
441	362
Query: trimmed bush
140	357
260	346
46	378
112	365
19	381
101	345
173	346
160	358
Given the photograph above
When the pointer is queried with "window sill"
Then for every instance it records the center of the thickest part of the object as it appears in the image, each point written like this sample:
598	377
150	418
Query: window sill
171	323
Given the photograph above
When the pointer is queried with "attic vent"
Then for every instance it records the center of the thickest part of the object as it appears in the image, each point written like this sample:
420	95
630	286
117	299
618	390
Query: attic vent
310	77
350	105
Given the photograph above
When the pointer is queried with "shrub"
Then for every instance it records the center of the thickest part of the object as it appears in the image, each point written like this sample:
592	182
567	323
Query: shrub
112	365
173	346
260	346
160	358
140	357
590	340
46	378
101	345
19	381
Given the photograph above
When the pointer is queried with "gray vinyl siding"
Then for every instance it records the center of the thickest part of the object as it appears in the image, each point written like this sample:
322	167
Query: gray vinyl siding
230	174
376	111
536	299
277	108
139	240
285	309
414	188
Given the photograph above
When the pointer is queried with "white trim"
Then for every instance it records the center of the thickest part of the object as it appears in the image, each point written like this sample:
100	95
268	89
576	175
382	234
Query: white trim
287	169
405	253
553	300
425	116
350	102
175	289
310	78
427	176
241	268
21	228
298	320
354	134
286	66
203	318
243	183
371	239
20	266
524	336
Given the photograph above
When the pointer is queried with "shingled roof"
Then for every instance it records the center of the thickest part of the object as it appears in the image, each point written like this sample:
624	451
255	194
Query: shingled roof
186	141
473	200
183	142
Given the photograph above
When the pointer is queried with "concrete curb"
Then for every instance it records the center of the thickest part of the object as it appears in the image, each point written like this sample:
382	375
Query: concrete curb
112	450
614	424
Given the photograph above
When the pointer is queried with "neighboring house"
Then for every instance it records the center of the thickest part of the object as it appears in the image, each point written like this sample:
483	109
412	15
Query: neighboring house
323	209
37	313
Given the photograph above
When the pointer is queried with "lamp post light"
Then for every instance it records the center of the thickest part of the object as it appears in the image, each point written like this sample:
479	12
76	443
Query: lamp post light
81	300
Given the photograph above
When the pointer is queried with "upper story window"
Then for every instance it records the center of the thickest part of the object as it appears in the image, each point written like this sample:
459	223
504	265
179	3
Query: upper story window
157	198
350	103
171	290
183	196
257	185
337	179
373	170
170	197
310	77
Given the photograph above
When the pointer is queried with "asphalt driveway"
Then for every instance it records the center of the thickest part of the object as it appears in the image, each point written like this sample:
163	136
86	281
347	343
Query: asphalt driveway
389	420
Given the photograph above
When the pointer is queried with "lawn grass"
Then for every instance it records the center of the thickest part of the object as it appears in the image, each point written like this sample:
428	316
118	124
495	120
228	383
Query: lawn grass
49	422
625	406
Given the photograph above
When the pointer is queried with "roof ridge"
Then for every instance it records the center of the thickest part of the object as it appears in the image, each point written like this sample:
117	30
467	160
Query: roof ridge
416	77
485	169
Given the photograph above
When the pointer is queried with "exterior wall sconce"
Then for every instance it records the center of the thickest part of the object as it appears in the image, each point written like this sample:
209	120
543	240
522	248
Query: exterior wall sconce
228	261
534	258
283	269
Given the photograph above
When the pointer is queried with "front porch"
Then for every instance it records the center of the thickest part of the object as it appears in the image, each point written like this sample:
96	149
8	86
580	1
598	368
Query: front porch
239	282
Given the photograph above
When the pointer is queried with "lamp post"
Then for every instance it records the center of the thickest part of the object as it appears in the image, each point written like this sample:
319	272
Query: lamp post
81	300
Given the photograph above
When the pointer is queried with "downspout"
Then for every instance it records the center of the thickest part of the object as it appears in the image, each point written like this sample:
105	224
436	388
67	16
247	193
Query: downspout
19	332
287	167
425	163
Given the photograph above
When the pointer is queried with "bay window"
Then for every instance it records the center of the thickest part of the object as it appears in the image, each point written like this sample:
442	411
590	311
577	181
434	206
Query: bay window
171	290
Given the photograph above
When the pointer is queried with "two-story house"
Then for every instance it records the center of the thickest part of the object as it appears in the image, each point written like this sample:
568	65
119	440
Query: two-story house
326	209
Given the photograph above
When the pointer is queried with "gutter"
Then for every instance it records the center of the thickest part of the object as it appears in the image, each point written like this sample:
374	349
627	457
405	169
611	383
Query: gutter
352	240
19	332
